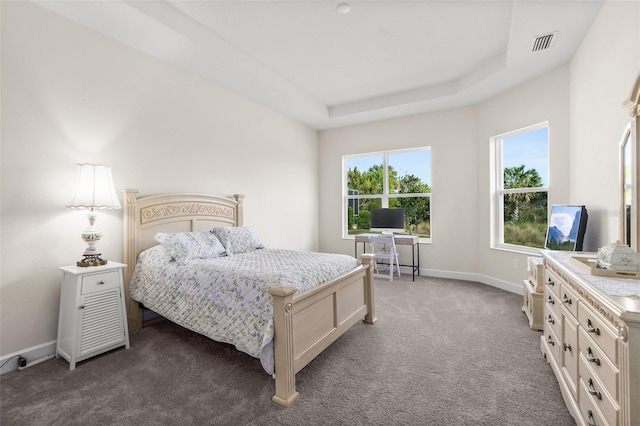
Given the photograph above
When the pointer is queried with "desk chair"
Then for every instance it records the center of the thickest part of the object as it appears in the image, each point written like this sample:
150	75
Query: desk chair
383	247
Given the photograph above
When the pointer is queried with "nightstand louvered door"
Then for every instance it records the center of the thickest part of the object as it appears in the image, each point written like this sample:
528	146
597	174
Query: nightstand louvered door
92	313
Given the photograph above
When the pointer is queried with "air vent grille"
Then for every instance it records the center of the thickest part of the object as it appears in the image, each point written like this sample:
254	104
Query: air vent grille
544	41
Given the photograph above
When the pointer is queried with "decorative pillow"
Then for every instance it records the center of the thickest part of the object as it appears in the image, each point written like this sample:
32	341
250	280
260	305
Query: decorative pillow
238	239
185	246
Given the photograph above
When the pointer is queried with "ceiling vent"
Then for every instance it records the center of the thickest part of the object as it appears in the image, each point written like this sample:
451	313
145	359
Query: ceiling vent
544	41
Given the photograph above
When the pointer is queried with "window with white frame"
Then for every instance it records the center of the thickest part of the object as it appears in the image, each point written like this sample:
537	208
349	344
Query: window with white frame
388	179
521	188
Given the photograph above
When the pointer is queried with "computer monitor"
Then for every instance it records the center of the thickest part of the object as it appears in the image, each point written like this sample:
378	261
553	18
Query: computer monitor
389	220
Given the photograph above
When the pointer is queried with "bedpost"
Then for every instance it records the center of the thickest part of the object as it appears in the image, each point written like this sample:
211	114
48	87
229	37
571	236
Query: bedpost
367	259
134	316
283	345
240	209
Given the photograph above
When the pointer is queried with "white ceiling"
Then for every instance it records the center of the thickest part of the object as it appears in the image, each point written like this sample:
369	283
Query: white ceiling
325	69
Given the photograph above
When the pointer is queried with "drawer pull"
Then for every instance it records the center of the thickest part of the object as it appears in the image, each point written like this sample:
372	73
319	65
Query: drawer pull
566	347
566	300
550	300
590	420
592	329
550	341
550	319
81	306
100	282
592	358
550	282
593	390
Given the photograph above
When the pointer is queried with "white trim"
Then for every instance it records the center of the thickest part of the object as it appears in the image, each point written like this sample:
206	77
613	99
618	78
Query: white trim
515	288
33	353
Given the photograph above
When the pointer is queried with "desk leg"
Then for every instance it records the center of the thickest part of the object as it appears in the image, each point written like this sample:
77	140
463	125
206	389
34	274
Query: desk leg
413	262
418	259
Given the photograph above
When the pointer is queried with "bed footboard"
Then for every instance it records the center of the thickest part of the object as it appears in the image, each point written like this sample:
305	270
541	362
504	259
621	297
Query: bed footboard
306	324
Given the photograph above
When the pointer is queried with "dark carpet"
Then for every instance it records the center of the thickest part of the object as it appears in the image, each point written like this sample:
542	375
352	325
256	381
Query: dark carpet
443	352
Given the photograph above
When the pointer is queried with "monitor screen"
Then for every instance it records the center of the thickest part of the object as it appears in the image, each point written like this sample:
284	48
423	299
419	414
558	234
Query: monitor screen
387	220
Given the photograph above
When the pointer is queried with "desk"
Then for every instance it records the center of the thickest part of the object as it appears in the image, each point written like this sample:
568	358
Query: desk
400	240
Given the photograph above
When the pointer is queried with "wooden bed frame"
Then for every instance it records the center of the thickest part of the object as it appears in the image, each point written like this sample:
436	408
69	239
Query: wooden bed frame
304	324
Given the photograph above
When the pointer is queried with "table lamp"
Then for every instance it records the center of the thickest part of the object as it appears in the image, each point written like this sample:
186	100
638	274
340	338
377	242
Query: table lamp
94	190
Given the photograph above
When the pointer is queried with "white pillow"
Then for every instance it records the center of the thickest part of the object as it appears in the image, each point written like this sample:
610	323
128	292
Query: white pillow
237	239
185	246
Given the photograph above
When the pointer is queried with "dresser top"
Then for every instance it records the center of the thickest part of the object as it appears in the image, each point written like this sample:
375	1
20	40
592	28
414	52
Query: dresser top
624	292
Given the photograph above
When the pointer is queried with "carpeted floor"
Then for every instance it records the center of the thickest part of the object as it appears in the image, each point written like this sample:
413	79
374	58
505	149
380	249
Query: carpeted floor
443	352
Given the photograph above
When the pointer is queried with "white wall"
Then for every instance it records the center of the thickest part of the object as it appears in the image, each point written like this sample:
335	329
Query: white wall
543	99
451	134
582	103
71	95
602	73
461	169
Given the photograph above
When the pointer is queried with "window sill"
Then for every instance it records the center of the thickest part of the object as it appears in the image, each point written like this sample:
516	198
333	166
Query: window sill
420	240
529	251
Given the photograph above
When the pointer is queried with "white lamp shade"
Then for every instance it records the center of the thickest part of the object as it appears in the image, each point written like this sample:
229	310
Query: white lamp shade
94	188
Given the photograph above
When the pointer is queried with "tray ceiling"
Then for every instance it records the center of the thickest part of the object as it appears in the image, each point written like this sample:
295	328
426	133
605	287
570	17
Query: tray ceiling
327	69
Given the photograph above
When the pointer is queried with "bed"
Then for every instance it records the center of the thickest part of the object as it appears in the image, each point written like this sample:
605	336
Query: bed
304	322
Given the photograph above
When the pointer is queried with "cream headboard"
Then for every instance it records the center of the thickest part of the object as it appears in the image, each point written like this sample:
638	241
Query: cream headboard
143	217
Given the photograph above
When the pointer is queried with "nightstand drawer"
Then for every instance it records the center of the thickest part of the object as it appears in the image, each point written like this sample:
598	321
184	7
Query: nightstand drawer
100	282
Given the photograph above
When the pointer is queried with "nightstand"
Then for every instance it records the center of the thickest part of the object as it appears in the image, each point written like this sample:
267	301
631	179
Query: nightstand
92	312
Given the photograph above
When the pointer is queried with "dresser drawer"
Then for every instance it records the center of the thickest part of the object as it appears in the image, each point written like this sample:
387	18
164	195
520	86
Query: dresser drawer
602	368
554	323
551	304
99	282
554	344
552	282
599	331
589	411
570	350
569	299
604	397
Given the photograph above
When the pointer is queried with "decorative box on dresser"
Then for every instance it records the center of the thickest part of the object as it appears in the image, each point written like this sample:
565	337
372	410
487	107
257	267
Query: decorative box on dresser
592	341
92	312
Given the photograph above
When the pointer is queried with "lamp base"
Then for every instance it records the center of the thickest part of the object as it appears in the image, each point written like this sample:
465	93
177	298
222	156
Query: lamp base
91	260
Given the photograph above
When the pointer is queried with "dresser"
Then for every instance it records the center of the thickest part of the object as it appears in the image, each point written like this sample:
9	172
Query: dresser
92	312
591	339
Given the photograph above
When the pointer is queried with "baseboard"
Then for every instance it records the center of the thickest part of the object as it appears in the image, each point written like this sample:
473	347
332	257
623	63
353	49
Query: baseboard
465	276
31	354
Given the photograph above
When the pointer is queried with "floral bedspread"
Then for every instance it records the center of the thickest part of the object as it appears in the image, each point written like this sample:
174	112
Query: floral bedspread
226	298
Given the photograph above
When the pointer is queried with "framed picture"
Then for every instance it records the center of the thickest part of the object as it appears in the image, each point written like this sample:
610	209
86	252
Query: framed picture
567	225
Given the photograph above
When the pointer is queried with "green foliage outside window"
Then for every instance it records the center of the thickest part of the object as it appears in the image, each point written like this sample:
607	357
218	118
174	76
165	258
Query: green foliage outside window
525	214
371	182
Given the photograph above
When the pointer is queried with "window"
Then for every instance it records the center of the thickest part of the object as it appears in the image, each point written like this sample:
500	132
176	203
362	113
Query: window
388	179
521	188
